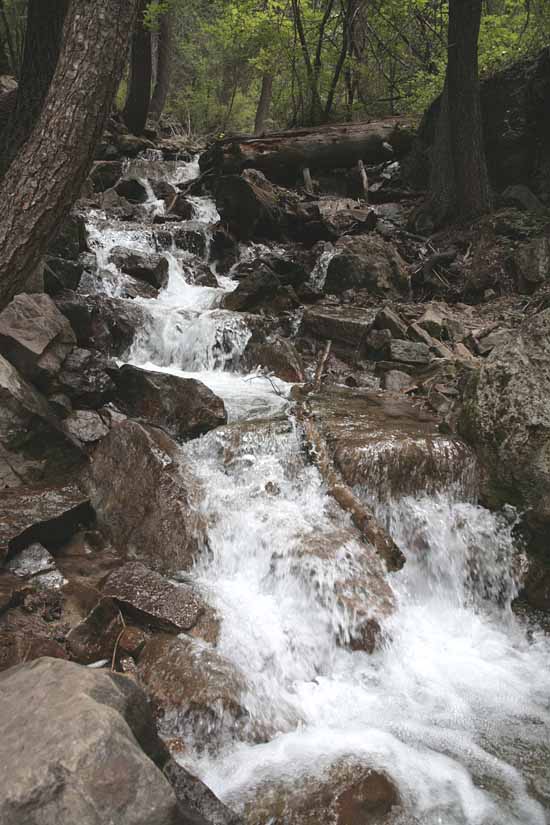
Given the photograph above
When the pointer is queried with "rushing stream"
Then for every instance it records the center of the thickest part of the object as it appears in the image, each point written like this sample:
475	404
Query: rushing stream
455	705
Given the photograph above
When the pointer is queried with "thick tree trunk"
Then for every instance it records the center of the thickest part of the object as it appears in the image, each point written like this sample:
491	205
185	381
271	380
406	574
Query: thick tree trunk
283	155
460	183
48	173
138	98
264	104
164	65
40	55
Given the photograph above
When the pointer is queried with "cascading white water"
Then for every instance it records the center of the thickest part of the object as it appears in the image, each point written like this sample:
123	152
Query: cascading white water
454	706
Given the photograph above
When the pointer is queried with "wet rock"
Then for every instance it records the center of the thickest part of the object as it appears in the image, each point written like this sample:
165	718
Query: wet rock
132	640
131	189
164	191
182	207
153	599
105	174
276	355
506	416
345	325
25	636
198	272
409	352
102	323
146	497
532	264
396	381
35	337
537	586
33	442
184	406
257	290
70	240
36	563
145	266
95	637
46	514
94	751
60	274
86	425
195	691
250	206
348	793
224	249
84	378
195	795
367	262
390	447
189	238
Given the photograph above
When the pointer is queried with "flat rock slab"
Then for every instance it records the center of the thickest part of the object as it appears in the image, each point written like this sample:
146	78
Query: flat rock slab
346	326
46	514
152	598
389	445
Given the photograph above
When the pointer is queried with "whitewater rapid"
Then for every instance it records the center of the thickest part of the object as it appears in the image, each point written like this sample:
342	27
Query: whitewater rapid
455	705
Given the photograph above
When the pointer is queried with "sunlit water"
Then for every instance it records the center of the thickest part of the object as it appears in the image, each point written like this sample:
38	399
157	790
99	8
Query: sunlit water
455	705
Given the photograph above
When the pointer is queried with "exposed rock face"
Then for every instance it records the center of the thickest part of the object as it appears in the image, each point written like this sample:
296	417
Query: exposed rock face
149	267
249	205
93	753
532	263
33	442
506	416
150	597
96	636
146	498
102	323
84	378
189	237
131	189
185	406
35	337
106	174
367	262
86	425
275	354
196	691
261	291
345	325
45	514
348	794
24	637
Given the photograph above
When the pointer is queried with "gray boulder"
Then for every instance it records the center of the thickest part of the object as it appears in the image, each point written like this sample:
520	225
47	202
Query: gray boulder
184	406
506	416
80	746
145	497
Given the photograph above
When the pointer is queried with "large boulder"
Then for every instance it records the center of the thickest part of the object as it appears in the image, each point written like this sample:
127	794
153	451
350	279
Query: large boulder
150	267
35	337
184	406
81	747
195	691
251	206
102	323
33	442
84	378
146	498
506	416
367	262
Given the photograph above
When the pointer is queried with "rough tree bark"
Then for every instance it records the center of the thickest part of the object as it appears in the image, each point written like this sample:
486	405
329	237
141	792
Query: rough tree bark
460	183
136	108
40	55
264	103
47	175
164	65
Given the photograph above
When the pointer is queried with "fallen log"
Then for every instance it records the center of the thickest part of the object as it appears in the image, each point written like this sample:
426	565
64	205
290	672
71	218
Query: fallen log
283	156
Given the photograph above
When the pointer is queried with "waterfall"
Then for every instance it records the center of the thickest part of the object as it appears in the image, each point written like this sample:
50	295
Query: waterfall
454	704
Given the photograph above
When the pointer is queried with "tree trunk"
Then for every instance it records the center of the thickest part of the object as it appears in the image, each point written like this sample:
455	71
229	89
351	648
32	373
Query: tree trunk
47	175
164	65
283	155
264	104
40	55
460	183
138	98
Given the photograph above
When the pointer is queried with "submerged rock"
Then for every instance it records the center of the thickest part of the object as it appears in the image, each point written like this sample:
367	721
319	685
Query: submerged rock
185	406
146	497
348	793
